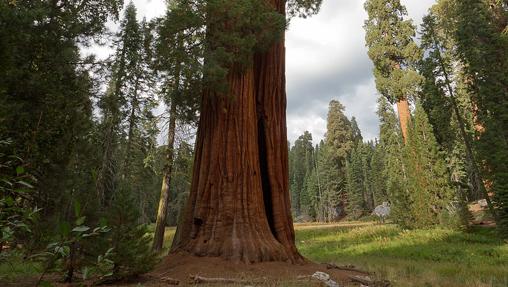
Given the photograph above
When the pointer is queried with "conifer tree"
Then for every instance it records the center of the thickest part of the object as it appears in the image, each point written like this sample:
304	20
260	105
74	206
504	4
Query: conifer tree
46	91
126	111
339	133
395	170
338	145
178	62
440	95
378	176
389	37
239	207
355	185
129	240
430	192
332	186
483	49
356	134
302	158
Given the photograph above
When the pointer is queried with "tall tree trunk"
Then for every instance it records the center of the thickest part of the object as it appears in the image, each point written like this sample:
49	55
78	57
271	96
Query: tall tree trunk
270	68
239	206
132	125
474	170
105	184
404	116
160	224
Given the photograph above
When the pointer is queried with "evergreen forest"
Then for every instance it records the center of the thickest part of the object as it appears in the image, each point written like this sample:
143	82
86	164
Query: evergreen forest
169	158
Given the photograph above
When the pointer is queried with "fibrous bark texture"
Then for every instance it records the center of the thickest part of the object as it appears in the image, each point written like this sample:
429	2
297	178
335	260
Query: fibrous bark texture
239	205
404	116
160	224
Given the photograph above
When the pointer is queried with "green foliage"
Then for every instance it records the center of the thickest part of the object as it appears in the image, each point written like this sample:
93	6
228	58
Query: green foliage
428	185
302	162
131	254
355	186
444	91
392	49
45	92
128	126
75	248
303	8
395	171
178	60
431	257
364	172
339	133
235	30
16	186
378	176
482	48
181	181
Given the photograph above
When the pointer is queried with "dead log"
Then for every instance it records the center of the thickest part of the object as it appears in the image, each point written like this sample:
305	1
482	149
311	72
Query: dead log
196	279
170	281
345	268
365	280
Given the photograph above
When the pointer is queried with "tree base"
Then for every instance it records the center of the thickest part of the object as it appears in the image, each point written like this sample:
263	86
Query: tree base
182	266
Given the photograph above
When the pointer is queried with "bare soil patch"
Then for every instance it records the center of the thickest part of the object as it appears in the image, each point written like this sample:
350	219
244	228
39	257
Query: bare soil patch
182	267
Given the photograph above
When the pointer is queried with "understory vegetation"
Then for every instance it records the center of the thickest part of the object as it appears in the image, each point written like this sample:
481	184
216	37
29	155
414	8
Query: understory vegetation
424	257
185	123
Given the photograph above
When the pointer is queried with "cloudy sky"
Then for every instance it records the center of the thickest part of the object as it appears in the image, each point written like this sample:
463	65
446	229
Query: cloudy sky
326	59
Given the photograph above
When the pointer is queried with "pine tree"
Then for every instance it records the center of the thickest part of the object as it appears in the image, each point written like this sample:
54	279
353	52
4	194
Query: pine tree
339	133
356	134
378	176
126	112
300	167
394	53
440	95
130	242
331	186
339	144
395	171
49	115
430	191
180	70
356	204
482	47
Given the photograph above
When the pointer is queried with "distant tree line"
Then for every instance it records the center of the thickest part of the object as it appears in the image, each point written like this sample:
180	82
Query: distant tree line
447	146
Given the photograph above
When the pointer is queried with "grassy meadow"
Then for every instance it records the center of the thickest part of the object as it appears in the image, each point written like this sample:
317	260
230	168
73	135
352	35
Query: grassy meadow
434	257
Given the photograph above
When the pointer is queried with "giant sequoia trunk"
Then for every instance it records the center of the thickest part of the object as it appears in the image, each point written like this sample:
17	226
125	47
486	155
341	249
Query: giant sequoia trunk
404	116
239	205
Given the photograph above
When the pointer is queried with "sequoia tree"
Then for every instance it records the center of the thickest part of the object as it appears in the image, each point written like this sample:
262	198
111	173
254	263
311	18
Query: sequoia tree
394	53
239	205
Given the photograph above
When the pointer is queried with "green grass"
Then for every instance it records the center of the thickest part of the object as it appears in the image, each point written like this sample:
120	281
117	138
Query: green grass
14	266
435	257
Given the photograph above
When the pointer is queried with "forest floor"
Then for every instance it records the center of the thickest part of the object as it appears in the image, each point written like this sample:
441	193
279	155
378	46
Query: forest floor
434	257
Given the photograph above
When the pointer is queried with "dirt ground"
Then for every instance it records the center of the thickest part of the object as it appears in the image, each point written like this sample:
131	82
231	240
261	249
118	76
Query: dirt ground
182	267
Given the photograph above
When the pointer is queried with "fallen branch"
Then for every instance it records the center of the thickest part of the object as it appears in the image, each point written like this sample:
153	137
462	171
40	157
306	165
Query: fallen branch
196	279
368	282
170	281
304	277
345	268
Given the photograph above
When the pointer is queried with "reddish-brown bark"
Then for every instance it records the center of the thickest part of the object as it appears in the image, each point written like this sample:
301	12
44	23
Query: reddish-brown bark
239	205
404	116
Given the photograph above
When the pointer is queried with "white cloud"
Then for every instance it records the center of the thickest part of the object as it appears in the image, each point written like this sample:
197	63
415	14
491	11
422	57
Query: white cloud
326	59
